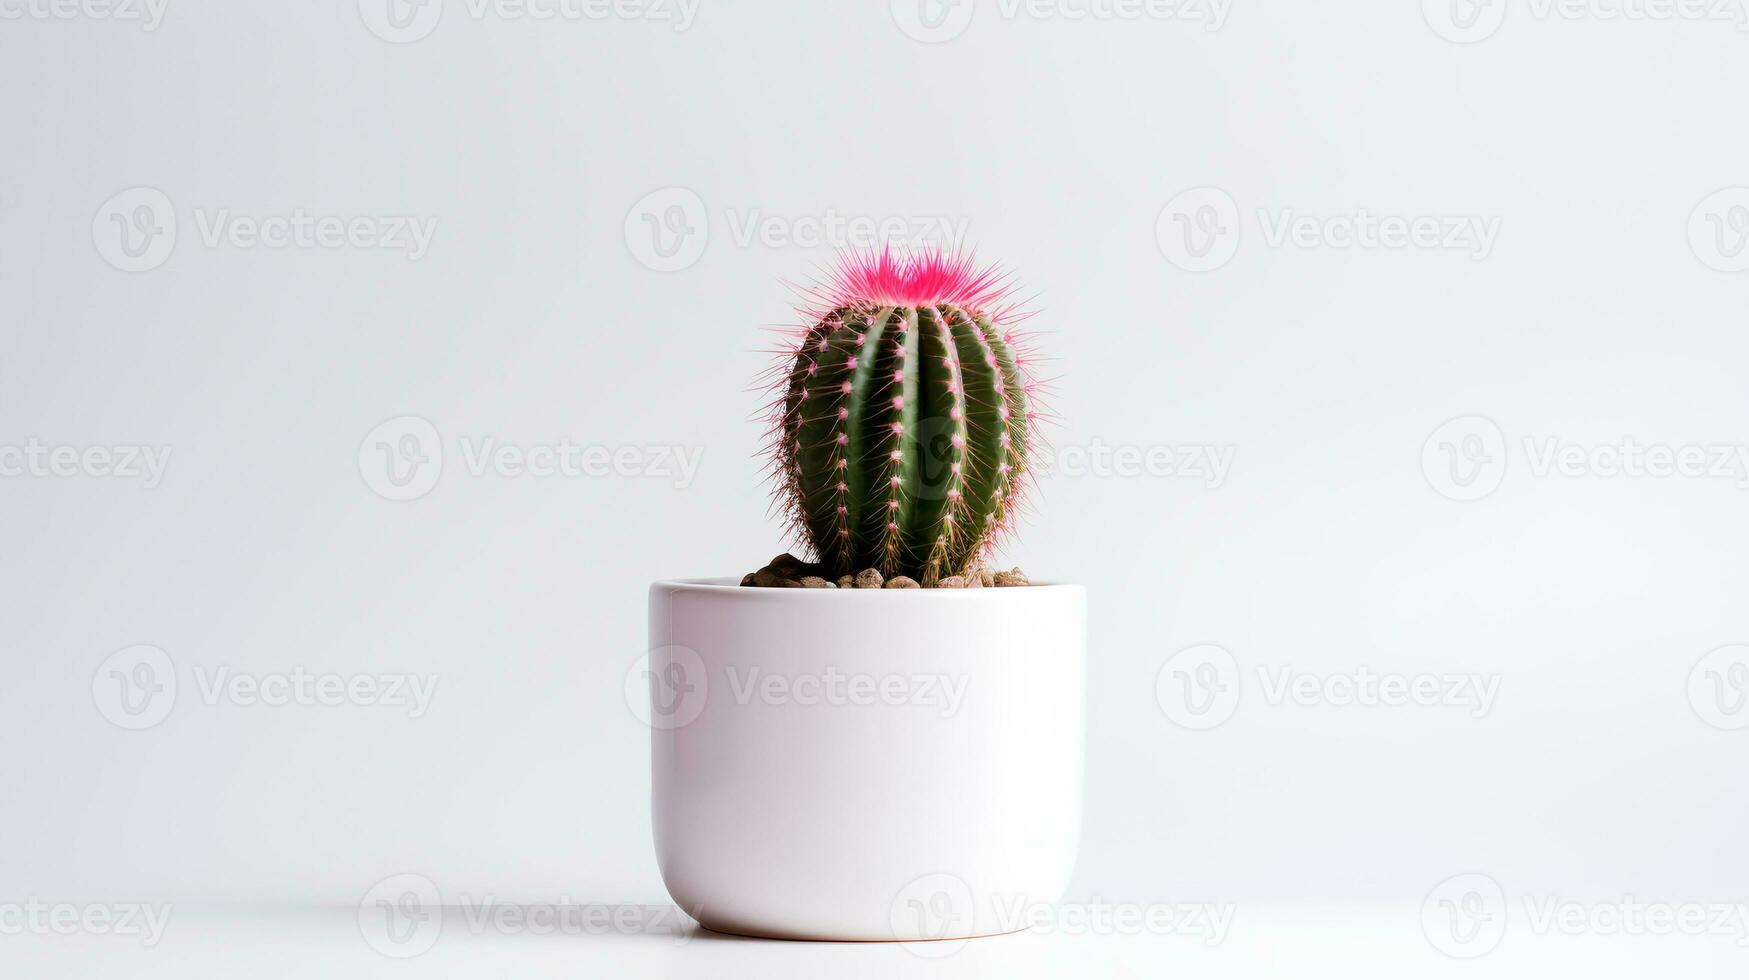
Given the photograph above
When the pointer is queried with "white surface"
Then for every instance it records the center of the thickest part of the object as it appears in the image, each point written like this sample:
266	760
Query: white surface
1371	941
920	777
1324	376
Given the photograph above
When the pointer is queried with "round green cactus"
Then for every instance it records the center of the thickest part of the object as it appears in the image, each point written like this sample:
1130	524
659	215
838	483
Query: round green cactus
903	417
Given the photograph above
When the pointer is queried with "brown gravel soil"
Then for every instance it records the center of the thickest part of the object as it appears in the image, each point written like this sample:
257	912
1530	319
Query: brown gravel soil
786	571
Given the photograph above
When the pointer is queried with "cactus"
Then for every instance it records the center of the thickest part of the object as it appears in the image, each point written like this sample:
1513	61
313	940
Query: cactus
902	415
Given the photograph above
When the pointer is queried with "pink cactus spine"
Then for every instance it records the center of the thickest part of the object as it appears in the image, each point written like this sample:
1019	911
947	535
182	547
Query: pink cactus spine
902	415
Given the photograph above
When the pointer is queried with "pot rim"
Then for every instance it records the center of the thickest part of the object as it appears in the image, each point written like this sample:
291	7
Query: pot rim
733	584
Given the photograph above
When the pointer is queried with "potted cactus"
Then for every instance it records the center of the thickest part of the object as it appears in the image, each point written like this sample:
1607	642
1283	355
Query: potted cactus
867	743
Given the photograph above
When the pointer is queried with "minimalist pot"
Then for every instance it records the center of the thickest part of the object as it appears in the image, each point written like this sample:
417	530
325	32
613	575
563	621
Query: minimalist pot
863	764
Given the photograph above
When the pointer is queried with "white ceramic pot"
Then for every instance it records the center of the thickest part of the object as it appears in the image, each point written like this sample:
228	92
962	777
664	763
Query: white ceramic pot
852	764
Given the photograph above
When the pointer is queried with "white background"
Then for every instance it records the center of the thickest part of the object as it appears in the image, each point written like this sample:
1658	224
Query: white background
589	184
